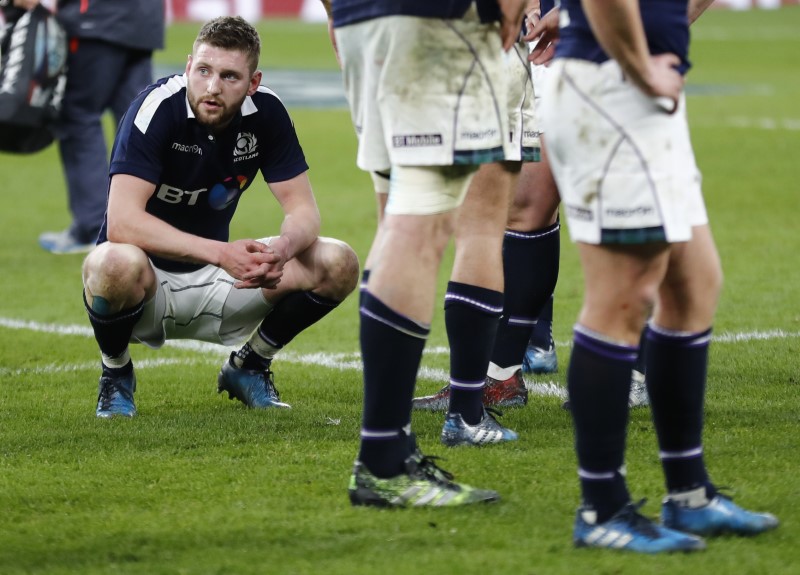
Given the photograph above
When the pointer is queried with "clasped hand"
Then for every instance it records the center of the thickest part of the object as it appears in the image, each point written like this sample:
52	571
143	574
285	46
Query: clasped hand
254	264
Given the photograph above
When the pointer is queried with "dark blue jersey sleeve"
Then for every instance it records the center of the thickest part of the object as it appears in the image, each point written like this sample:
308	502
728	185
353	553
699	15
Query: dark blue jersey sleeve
281	155
144	133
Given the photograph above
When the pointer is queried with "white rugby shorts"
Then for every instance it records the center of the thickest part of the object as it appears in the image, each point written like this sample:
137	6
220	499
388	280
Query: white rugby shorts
625	168
523	123
201	305
425	91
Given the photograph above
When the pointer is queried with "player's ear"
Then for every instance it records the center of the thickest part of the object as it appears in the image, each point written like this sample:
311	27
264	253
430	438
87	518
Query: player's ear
255	82
188	64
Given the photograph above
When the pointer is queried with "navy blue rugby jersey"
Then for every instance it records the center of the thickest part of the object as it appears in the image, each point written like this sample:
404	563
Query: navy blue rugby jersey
666	24
199	177
352	11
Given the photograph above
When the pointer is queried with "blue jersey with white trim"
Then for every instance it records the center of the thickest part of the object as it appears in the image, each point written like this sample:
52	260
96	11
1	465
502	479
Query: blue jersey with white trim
353	11
199	176
666	25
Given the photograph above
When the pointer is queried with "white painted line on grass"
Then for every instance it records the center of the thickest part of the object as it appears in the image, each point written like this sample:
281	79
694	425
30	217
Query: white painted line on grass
214	353
771	124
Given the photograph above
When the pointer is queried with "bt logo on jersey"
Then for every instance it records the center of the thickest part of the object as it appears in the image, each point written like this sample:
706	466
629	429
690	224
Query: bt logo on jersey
173	195
220	196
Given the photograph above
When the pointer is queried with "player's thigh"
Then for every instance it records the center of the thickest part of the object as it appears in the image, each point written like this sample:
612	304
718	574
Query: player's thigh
535	199
690	291
485	207
620	287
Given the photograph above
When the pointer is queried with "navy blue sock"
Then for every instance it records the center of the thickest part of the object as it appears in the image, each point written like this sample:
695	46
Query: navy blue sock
530	264
391	349
640	364
471	314
291	315
113	331
598	382
542	336
676	366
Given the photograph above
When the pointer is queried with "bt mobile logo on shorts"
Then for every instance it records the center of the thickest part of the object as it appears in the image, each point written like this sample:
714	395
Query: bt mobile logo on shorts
416	140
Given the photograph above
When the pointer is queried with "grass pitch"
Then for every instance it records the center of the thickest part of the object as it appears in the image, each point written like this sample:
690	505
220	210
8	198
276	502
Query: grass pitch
197	484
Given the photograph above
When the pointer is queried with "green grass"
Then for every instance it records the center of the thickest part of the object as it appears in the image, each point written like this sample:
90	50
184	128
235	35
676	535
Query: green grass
197	484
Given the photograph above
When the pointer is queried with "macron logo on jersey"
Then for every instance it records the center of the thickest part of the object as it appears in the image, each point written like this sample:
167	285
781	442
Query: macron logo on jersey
195	149
246	147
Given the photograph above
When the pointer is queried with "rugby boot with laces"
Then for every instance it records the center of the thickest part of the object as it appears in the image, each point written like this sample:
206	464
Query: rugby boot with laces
629	530
638	396
486	432
423	484
509	392
115	395
717	516
255	388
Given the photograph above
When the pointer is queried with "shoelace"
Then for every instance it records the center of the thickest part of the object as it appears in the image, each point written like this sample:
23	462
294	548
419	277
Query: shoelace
630	513
428	467
269	383
107	390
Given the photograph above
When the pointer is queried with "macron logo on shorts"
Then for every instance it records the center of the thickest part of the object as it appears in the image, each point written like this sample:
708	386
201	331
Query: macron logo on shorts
417	140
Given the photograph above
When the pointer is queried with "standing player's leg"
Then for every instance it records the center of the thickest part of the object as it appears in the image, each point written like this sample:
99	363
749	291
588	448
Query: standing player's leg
473	305
678	338
624	260
397	305
531	249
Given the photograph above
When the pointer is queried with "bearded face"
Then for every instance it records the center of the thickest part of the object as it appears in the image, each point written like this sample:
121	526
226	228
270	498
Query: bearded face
218	82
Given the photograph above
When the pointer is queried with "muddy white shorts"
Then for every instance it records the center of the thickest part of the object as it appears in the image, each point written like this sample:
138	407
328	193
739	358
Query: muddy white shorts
625	168
425	91
201	305
523	124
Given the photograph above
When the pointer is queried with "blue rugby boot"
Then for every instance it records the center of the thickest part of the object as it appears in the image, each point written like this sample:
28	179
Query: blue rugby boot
539	359
629	530
487	431
115	395
254	388
717	516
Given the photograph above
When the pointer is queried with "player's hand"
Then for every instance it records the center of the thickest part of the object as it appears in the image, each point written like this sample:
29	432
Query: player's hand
511	14
544	31
253	264
663	81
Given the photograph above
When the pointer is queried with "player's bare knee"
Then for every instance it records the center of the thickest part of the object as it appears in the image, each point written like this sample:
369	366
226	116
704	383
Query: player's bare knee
341	269
115	270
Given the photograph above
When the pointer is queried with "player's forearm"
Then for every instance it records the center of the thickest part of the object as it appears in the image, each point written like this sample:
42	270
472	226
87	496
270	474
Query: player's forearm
697	7
617	25
159	238
299	230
